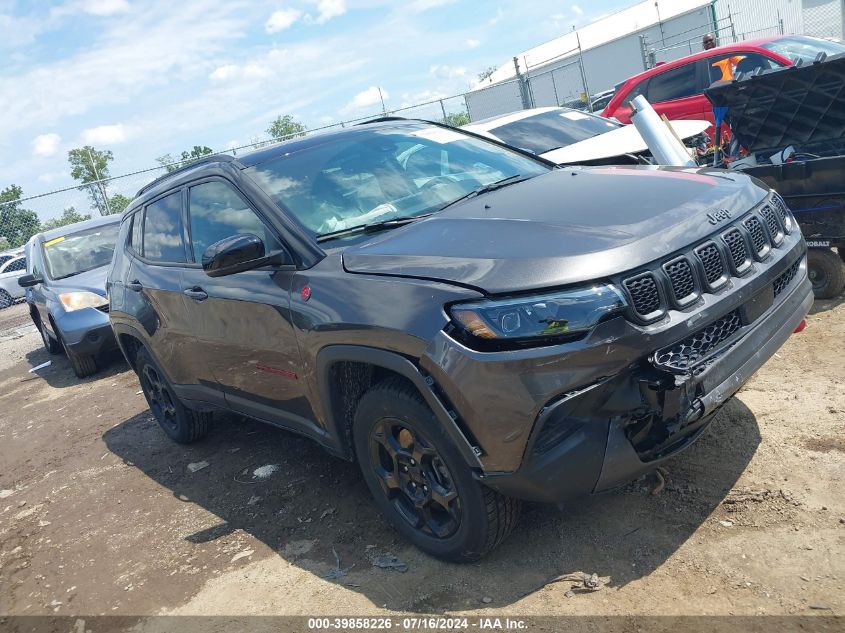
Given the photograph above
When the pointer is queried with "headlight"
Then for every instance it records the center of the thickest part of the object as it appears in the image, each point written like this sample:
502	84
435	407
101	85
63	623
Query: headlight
82	299
554	315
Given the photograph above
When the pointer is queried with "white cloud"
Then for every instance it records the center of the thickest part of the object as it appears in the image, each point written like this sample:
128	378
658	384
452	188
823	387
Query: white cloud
365	99
227	72
472	43
282	19
447	72
496	18
105	7
99	8
577	10
105	134
46	145
328	9
418	6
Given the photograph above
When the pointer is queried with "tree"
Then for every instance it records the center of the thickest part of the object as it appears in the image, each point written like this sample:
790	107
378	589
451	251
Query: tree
118	202
485	74
68	216
457	119
171	164
286	127
17	224
89	165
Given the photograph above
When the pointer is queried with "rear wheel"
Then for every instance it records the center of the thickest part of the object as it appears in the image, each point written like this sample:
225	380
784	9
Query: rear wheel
5	299
824	267
420	481
180	423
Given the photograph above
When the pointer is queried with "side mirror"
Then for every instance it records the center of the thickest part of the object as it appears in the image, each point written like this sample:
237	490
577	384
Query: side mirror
236	254
28	281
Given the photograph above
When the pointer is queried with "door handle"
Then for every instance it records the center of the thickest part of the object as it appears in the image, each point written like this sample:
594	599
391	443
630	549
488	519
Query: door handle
135	286
196	293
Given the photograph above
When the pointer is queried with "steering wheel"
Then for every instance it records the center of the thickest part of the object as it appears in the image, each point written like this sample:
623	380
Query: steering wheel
437	181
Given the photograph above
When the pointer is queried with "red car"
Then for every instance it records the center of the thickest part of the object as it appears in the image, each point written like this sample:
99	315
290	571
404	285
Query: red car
676	88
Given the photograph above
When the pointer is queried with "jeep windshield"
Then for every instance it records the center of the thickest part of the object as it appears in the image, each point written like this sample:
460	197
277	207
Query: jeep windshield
80	252
386	172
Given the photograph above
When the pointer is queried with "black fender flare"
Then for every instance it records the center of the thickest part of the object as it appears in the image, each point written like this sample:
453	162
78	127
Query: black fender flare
329	356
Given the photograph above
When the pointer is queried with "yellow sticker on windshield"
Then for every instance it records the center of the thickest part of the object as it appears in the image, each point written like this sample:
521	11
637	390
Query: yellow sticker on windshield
55	241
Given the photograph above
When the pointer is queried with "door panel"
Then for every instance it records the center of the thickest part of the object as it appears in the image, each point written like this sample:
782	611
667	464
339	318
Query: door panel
247	343
242	322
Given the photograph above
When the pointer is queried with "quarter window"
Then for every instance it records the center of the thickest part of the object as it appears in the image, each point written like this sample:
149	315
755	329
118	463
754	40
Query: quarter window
135	235
163	240
216	212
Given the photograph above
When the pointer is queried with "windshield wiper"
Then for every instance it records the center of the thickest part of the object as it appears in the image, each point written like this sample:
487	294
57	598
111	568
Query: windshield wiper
372	227
490	186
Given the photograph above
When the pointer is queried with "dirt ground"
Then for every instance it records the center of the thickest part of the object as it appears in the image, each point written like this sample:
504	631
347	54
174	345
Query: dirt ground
101	514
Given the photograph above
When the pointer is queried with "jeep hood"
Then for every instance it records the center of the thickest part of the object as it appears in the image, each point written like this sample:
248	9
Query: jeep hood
564	227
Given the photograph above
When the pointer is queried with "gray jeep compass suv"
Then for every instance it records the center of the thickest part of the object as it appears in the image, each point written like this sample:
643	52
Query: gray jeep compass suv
469	324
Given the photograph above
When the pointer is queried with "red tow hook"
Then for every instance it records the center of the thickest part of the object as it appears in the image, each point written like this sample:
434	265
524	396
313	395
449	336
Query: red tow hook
800	327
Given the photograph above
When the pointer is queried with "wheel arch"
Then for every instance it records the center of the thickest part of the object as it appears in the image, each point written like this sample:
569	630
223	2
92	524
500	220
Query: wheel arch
346	372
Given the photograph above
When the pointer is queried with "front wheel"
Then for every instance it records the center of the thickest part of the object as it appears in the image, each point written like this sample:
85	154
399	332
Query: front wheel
826	273
180	423
51	345
5	299
420	481
83	365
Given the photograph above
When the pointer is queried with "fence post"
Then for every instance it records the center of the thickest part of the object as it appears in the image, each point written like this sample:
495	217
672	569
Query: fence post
583	72
523	86
644	51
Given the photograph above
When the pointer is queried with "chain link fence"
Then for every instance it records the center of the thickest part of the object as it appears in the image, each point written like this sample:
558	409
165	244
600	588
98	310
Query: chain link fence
21	216
562	80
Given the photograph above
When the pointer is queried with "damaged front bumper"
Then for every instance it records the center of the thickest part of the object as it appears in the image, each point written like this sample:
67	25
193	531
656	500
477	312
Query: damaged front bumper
610	433
558	422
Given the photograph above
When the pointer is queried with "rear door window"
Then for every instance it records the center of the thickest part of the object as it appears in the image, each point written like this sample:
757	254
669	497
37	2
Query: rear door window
217	211
163	230
674	84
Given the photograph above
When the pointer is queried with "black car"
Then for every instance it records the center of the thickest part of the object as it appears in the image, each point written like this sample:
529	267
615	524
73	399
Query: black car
66	289
469	324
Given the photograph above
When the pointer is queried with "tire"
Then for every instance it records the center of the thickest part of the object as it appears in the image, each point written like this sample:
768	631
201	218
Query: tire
52	346
5	299
826	272
82	365
420	481
180	423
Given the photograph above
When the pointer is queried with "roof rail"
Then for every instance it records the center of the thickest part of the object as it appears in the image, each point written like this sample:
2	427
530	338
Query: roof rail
211	158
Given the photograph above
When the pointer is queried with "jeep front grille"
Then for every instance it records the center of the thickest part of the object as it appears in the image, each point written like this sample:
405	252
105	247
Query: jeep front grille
708	267
682	280
740	255
786	277
711	261
644	293
682	355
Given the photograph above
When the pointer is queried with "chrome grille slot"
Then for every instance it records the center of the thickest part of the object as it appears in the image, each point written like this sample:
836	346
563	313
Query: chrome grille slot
645	295
682	280
740	257
711	261
758	236
773	223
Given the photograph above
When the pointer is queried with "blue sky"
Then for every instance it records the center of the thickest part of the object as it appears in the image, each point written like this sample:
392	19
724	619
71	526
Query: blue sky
144	78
